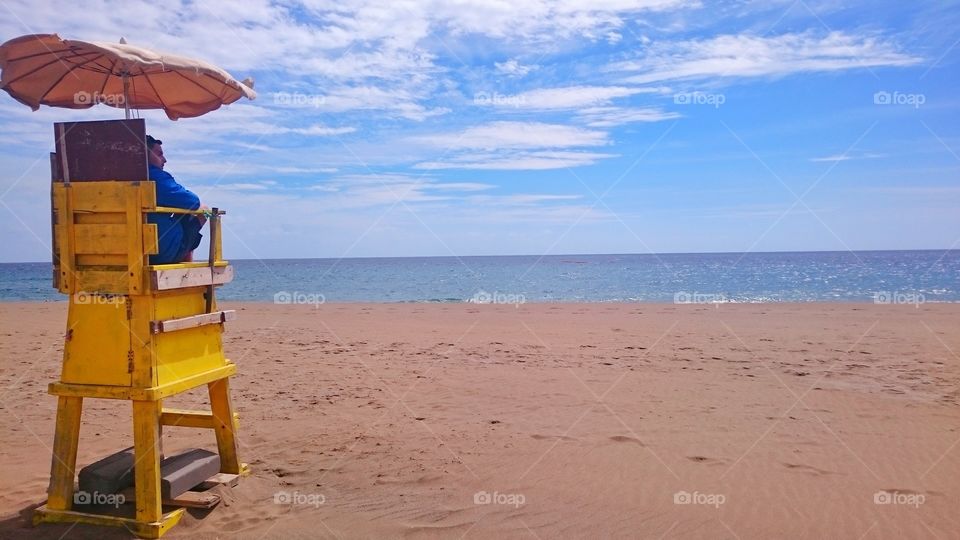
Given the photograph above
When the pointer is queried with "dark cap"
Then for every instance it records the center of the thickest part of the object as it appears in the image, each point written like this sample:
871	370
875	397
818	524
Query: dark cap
151	142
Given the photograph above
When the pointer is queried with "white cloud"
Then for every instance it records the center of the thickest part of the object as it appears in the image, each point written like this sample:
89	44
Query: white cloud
755	56
601	117
846	157
572	97
514	135
531	161
514	68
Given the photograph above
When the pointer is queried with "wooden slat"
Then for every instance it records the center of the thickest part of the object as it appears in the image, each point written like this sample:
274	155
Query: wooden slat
142	393
63	194
171	325
193	419
119	260
135	255
220	479
188	499
100	239
107	196
100	218
150	239
177	278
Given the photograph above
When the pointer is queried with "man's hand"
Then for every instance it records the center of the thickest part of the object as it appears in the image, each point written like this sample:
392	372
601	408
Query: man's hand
201	217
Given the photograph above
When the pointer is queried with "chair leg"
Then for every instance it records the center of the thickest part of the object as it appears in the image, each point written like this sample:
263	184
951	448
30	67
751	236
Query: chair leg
64	463
222	410
146	444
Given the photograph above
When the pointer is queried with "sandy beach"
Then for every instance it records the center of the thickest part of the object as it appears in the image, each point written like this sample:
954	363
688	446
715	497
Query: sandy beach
544	421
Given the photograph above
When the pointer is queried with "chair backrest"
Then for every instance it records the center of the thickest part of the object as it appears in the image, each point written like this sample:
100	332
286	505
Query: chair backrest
99	193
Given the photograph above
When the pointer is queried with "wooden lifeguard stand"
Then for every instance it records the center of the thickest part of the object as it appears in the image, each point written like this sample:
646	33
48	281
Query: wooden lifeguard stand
135	332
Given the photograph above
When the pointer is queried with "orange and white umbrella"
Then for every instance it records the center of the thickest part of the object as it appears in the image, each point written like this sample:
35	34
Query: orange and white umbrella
43	69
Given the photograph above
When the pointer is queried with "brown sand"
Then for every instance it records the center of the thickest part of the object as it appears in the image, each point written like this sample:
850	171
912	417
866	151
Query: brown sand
576	420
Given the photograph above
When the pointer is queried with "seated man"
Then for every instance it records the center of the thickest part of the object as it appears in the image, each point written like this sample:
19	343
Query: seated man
178	234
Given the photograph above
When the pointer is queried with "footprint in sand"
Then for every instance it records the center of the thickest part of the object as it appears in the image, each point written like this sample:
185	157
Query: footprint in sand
626	439
539	437
707	460
807	469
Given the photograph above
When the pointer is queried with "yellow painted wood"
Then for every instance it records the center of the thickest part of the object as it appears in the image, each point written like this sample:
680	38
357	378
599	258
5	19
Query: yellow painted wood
193	419
100	239
111	195
217	237
136	258
93	265
141	342
100	217
64	462
151	240
103	241
173	210
176	266
142	394
63	196
98	341
146	443
45	514
224	428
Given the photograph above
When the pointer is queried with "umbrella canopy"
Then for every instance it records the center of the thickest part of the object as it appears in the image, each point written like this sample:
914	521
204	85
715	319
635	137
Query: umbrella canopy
45	69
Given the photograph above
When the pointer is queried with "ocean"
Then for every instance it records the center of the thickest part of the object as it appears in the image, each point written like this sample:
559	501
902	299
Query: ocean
904	277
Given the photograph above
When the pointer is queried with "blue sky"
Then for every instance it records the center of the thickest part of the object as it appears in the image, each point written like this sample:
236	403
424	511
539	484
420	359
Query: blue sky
490	127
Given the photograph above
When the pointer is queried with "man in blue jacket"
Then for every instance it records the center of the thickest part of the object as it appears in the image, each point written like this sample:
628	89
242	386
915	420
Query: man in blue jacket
178	234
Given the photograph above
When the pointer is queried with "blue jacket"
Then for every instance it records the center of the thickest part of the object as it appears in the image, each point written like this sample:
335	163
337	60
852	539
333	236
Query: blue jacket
169	227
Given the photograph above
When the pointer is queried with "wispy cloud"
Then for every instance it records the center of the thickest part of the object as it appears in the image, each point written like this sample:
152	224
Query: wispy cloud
846	157
729	56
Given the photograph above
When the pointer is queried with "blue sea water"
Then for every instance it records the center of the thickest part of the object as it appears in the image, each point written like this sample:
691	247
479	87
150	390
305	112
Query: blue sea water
867	276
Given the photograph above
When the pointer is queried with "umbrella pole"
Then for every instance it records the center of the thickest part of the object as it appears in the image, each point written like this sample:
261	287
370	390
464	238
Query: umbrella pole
126	95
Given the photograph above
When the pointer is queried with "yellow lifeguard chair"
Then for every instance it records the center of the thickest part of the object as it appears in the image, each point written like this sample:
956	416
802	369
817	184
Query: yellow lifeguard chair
135	332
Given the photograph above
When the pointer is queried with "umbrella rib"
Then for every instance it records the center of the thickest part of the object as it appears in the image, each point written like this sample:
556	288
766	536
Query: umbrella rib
204	88
159	97
70	72
54	61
